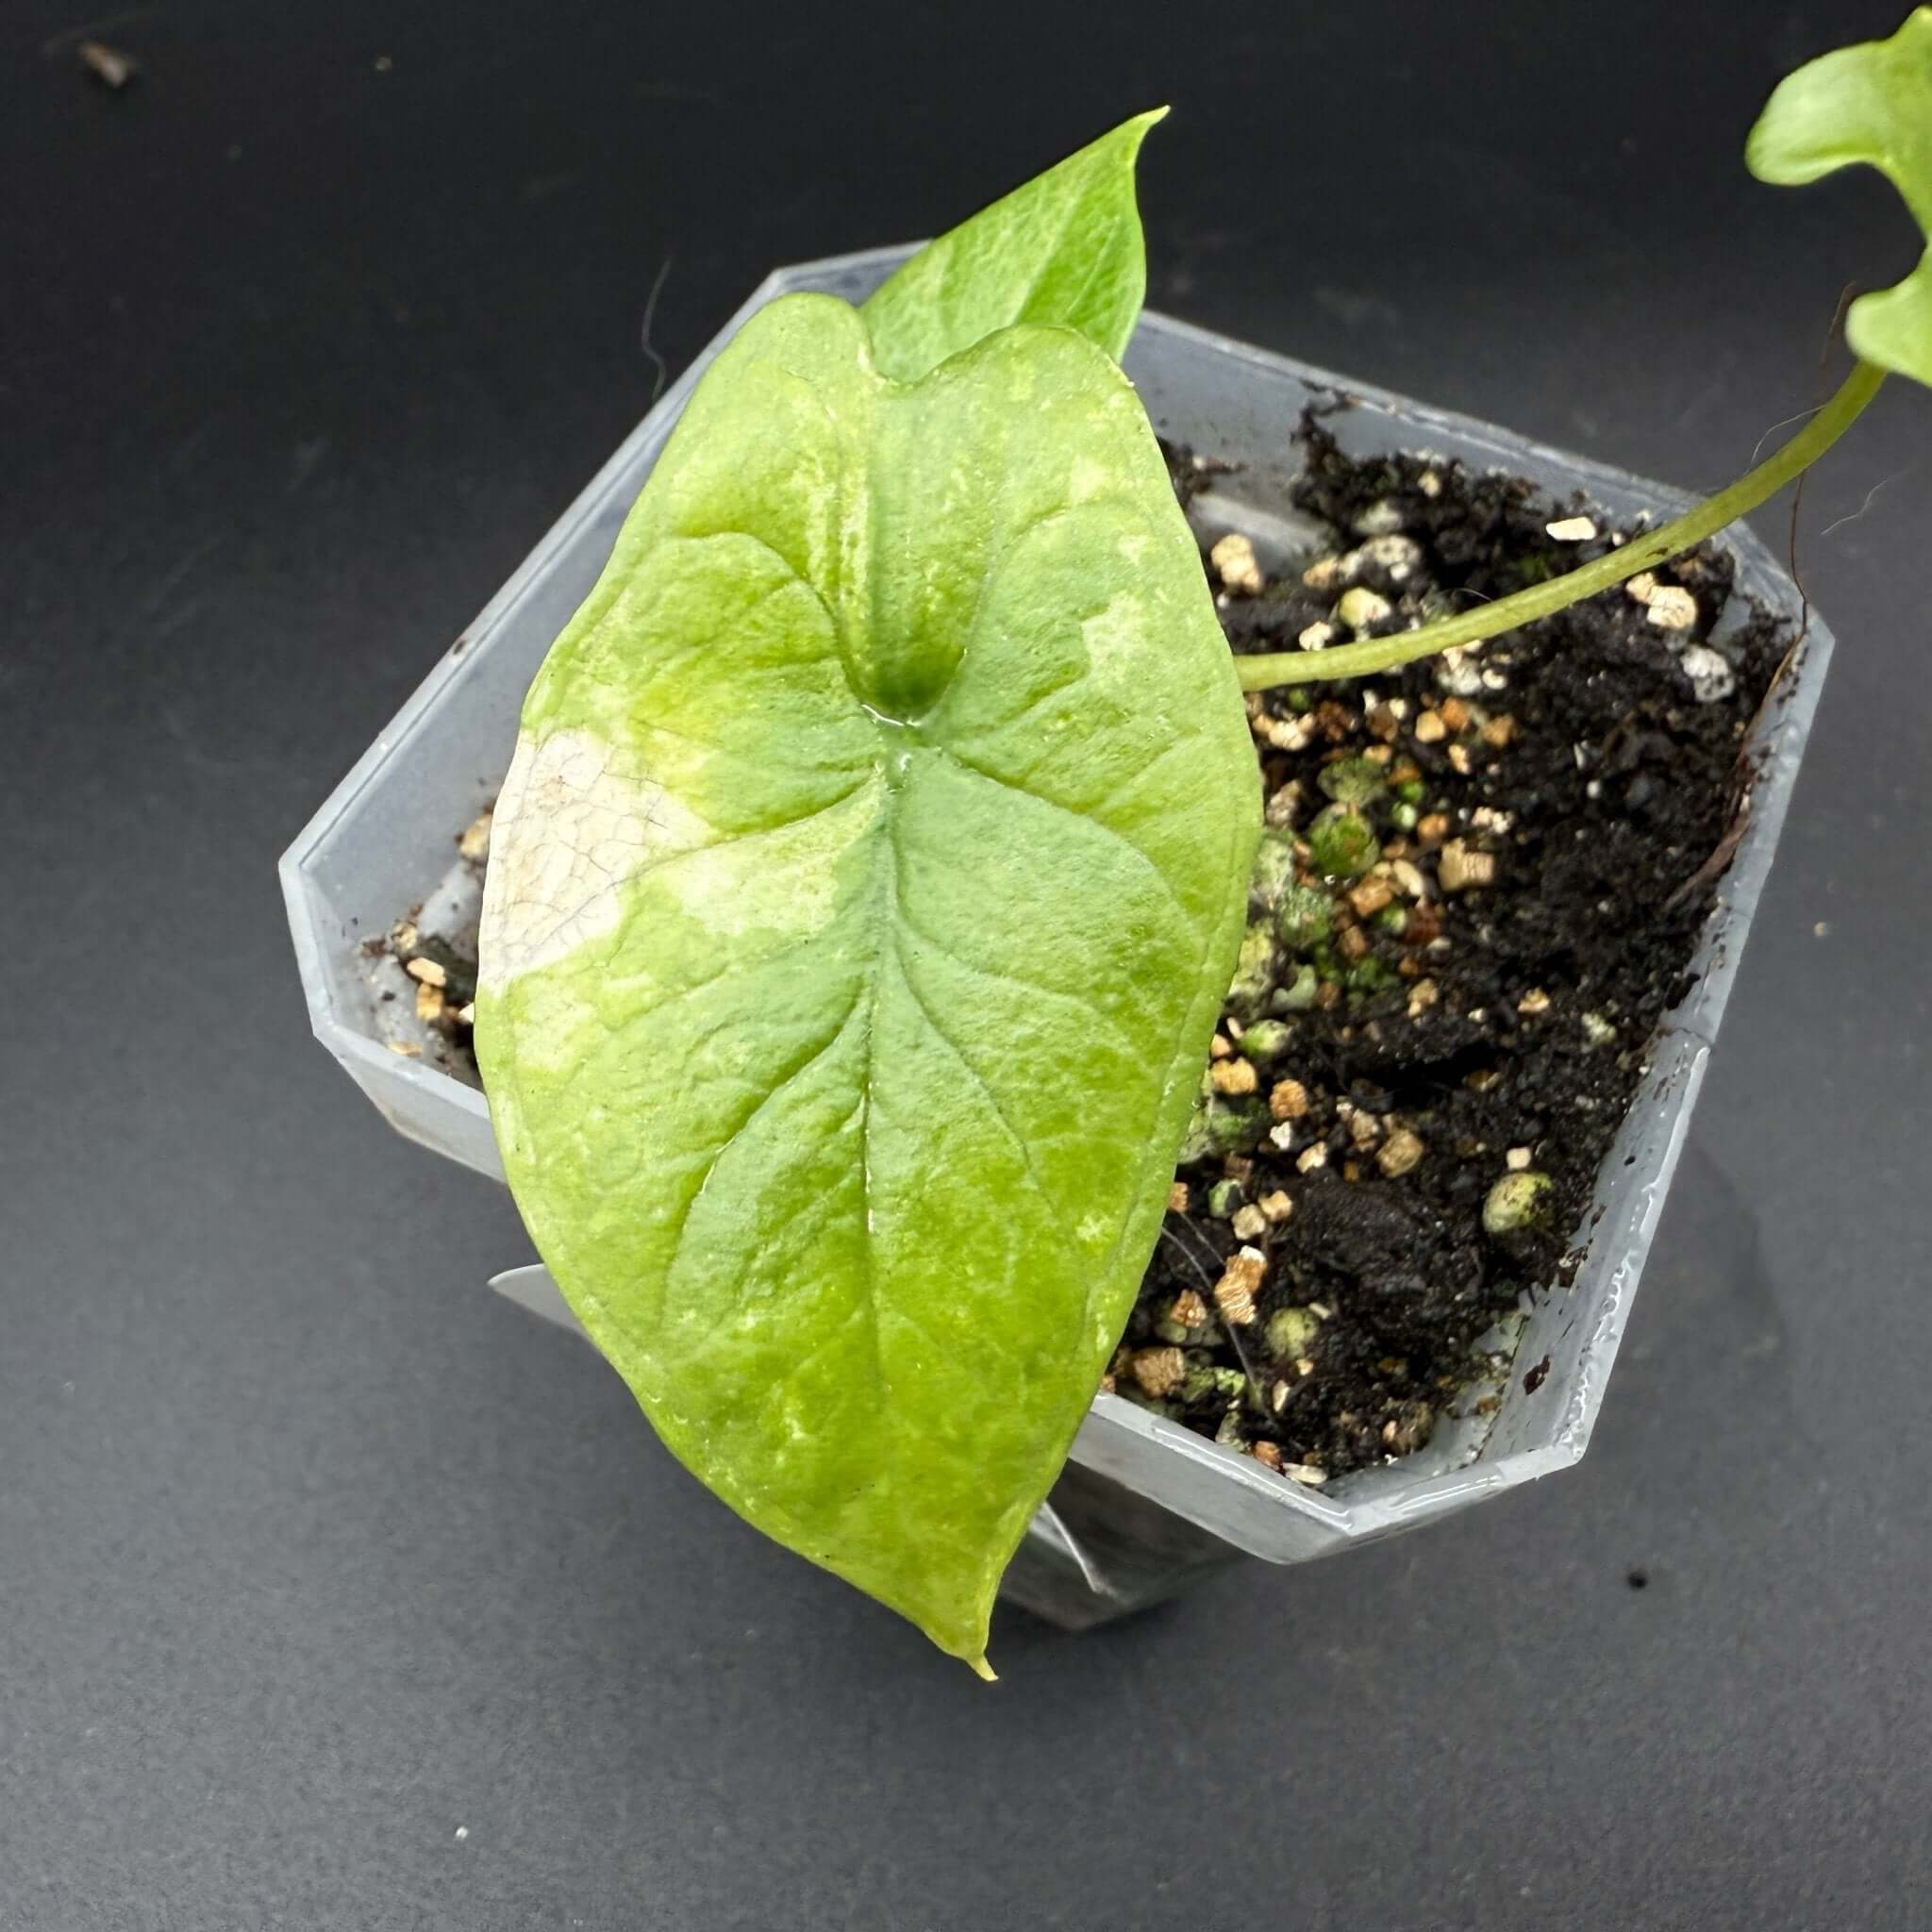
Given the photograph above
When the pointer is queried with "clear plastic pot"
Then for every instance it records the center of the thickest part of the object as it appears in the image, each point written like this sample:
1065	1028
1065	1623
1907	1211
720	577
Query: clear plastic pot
1145	1506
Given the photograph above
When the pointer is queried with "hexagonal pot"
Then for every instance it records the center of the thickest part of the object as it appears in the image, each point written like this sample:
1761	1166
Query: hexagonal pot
1144	1506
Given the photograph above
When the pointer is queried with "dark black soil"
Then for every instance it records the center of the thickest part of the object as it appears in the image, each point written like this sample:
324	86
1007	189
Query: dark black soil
1564	828
1454	985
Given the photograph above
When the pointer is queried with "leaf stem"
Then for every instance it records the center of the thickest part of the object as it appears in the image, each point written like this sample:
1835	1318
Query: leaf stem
1542	600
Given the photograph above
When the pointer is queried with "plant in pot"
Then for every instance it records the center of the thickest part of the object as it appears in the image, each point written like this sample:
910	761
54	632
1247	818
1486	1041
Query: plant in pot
924	976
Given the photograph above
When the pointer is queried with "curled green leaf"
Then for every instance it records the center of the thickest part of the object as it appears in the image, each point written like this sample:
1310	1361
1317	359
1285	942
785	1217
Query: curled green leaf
860	902
1063	248
1868	103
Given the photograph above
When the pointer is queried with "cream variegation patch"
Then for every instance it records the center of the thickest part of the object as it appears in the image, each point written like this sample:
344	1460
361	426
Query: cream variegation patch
783	880
572	827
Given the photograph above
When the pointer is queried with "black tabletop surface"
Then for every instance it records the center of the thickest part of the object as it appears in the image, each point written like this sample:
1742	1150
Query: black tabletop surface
335	1592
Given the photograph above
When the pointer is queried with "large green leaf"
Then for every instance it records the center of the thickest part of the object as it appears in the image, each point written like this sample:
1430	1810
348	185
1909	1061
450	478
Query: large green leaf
860	902
1064	248
1869	103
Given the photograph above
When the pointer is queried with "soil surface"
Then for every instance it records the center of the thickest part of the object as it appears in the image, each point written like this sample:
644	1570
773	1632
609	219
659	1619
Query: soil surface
1481	886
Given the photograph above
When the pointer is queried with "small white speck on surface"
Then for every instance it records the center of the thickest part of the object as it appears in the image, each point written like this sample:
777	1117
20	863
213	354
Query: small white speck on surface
475	842
1287	1100
1234	1076
462	1831
108	65
1188	1310
1158	1371
1462	869
1234	1293
1710	674
1363	606
1381	519
1401	557
1402	1151
1282	1136
1429	484
1572	530
1821	929
1671	606
1311	1158
1233	555
1316	636
1642	588
1517	1160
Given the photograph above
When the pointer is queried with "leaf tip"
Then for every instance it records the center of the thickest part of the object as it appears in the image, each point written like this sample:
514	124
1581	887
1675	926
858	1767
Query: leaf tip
1134	130
982	1670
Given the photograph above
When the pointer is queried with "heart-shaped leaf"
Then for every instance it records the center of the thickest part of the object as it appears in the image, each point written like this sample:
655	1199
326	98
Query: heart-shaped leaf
860	902
1064	248
1869	103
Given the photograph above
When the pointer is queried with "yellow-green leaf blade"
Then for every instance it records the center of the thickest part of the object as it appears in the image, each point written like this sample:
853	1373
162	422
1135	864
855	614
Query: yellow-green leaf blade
1871	103
858	911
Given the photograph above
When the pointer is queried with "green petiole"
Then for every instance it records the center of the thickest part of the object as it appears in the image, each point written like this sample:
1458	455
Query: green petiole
1543	600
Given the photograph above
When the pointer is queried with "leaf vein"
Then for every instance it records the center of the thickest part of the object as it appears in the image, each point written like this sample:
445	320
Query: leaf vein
1112	832
978	1079
738	1131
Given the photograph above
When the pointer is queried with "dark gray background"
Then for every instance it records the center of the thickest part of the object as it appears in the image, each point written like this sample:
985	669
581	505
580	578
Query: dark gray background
314	1556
